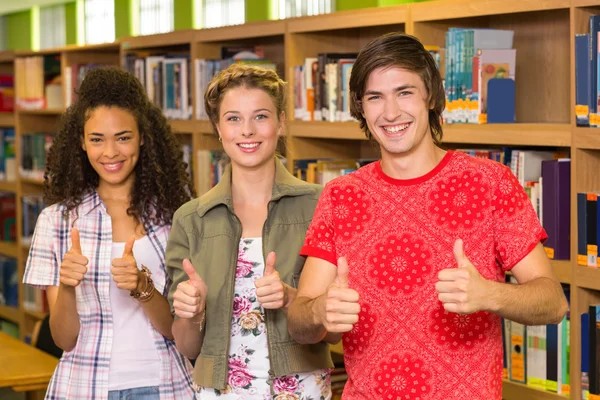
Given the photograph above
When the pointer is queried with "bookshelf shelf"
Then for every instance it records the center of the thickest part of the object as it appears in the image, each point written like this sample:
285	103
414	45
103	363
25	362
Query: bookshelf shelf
183	125
10	313
518	391
558	135
41	112
35	314
8	186
241	32
7	119
7	56
585	3
32	181
10	249
588	278
350	19
586	138
174	38
204	126
562	270
453	9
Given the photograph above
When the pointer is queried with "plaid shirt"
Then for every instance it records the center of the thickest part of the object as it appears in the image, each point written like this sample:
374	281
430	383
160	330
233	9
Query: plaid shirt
82	373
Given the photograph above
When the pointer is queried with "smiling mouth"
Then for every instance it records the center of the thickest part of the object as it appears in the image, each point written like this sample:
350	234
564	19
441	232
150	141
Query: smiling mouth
249	145
392	129
113	166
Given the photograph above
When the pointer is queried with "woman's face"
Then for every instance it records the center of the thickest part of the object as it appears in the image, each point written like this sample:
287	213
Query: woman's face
249	127
112	142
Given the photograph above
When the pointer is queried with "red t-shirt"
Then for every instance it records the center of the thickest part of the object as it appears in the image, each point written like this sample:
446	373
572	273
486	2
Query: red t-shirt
396	236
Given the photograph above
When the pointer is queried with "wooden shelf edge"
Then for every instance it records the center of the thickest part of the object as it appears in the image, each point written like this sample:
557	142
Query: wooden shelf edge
518	391
248	30
585	3
7	56
354	19
7	119
558	135
587	277
586	138
41	112
204	126
11	314
451	9
562	270
8	186
182	125
174	38
10	249
35	314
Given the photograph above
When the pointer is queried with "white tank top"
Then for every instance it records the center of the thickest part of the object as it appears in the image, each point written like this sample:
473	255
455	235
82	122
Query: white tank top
134	360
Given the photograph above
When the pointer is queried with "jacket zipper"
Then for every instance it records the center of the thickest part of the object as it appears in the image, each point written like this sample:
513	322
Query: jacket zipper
267	312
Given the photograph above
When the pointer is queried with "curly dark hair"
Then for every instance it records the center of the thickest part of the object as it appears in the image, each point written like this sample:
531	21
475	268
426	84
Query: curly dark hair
162	183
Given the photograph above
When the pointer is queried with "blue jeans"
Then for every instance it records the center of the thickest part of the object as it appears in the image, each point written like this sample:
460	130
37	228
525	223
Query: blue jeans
141	393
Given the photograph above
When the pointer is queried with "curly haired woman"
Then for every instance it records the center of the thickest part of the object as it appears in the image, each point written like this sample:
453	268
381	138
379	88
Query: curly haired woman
114	178
233	255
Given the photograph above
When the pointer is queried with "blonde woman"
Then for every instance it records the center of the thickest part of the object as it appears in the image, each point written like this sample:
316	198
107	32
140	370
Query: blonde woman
233	255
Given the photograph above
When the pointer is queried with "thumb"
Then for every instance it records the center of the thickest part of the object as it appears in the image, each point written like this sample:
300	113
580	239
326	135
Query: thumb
128	251
75	243
270	265
459	254
191	272
342	273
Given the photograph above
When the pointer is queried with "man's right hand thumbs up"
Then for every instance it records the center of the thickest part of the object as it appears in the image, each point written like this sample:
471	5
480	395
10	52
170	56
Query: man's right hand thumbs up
189	298
338	307
73	266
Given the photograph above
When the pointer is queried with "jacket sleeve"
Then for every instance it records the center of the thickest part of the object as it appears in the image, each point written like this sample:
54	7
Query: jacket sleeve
177	250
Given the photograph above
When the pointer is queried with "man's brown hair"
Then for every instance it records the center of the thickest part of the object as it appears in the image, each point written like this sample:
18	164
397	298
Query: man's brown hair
402	51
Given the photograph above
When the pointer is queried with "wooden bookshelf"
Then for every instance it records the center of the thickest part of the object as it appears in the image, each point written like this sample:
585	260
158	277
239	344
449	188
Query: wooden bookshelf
41	112
558	135
183	125
545	79
8	186
453	9
7	120
11	314
518	391
586	138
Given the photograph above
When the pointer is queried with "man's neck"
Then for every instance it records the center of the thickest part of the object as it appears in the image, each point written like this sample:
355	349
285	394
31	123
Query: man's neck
413	164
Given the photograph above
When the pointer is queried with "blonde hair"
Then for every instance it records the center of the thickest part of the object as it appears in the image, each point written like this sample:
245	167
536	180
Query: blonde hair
239	75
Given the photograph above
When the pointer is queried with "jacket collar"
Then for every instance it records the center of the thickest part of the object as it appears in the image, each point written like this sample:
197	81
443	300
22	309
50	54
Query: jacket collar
285	184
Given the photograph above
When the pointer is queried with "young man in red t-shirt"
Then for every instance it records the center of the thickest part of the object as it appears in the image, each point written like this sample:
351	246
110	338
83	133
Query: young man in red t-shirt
407	255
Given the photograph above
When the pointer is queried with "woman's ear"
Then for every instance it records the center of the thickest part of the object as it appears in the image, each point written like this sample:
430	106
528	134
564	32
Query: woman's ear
280	130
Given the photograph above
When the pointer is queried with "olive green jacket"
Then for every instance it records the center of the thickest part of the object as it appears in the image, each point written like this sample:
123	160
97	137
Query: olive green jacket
207	232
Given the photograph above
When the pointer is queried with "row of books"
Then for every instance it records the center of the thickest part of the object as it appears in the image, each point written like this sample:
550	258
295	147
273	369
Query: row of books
538	356
587	75
38	82
322	85
207	68
8	212
9	282
167	78
74	75
8	157
7	93
480	67
588	229
34	147
167	82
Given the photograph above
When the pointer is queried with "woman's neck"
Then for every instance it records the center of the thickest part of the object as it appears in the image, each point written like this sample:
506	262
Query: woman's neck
252	186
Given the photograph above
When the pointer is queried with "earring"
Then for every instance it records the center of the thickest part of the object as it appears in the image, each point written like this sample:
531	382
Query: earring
220	139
